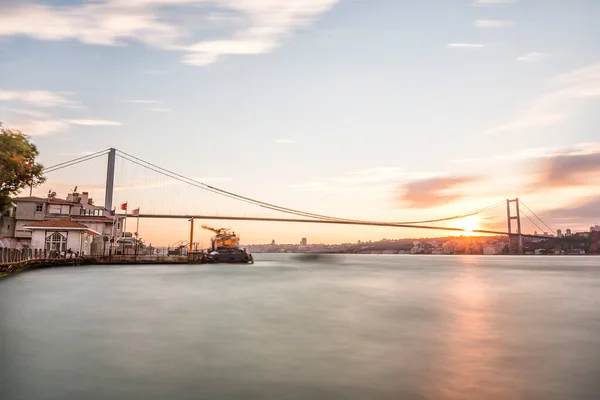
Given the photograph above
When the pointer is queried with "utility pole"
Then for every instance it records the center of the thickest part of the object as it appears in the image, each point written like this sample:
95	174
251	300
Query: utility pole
110	179
510	218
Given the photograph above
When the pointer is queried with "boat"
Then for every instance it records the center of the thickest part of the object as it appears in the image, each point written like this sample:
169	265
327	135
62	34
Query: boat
226	248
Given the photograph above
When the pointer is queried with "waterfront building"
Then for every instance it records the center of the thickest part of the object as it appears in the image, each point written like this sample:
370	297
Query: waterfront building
303	242
61	235
21	222
568	232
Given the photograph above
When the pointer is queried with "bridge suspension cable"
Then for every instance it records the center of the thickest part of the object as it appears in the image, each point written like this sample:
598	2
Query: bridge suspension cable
275	207
75	161
542	221
532	221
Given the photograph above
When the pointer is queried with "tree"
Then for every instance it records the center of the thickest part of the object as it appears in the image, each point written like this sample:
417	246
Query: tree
18	167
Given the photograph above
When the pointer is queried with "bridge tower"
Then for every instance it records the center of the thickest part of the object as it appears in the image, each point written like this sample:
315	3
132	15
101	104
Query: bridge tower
110	179
510	217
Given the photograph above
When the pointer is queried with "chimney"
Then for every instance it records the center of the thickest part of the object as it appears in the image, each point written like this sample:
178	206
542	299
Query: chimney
85	198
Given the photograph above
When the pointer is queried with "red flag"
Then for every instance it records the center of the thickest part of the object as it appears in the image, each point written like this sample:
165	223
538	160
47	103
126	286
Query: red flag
124	206
136	212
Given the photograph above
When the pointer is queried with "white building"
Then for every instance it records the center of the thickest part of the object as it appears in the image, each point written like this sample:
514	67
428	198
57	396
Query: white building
78	208
61	235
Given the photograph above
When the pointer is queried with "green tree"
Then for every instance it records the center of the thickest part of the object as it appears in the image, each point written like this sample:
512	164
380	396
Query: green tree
18	167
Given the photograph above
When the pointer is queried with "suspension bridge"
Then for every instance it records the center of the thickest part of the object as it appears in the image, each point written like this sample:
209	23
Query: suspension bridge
514	207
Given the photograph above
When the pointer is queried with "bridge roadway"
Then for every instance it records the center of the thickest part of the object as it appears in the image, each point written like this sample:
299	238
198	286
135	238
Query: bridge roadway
318	221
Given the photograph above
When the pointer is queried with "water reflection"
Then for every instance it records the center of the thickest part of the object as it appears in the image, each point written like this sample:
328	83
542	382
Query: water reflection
471	363
361	327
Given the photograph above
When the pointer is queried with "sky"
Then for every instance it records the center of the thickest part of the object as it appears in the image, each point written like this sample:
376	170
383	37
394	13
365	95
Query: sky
387	110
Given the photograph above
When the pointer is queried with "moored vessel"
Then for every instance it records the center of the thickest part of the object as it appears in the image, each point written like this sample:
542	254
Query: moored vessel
226	248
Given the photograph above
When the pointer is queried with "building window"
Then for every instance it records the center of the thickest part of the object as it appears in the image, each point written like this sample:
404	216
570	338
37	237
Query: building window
39	207
56	242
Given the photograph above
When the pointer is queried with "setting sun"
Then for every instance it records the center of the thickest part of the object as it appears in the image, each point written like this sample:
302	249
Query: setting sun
469	224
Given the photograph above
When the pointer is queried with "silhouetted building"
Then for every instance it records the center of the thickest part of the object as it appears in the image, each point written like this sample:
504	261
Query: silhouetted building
559	233
303	242
568	232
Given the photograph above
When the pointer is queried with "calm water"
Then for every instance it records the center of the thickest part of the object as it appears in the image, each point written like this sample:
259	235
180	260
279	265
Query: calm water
352	327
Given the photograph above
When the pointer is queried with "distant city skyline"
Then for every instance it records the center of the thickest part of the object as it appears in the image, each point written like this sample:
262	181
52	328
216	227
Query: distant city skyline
379	110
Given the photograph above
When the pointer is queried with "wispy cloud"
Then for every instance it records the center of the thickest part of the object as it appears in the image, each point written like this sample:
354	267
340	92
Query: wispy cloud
492	23
37	98
285	141
493	2
374	179
38	127
535	154
435	191
30	113
93	122
570	90
575	169
153	22
464	45
587	209
534	56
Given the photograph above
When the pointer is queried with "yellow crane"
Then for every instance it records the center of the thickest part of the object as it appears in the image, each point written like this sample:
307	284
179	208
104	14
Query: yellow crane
223	237
220	231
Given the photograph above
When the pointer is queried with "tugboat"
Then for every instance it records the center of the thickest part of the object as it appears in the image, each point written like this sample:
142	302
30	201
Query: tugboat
226	248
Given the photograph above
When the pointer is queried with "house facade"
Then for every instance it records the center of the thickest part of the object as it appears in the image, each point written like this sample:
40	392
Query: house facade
61	236
21	221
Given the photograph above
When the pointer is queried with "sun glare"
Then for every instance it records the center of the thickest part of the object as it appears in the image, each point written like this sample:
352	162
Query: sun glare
469	224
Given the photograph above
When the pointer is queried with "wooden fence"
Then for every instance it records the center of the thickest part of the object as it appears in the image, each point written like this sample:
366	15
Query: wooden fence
8	256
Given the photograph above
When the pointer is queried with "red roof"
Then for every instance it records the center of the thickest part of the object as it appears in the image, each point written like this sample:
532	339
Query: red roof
57	223
34	198
30	198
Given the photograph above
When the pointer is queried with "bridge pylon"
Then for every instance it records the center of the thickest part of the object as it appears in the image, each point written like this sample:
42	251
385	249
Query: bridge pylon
512	237
110	179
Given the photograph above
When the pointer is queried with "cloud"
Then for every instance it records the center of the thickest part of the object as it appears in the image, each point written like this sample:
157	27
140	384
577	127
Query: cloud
93	122
47	126
375	179
285	141
434	191
567	170
534	56
142	101
29	113
38	98
492	23
584	213
254	26
493	2
569	91
38	127
161	110
464	45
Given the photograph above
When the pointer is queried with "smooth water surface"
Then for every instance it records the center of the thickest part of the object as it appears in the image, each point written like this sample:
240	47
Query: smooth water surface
352	327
